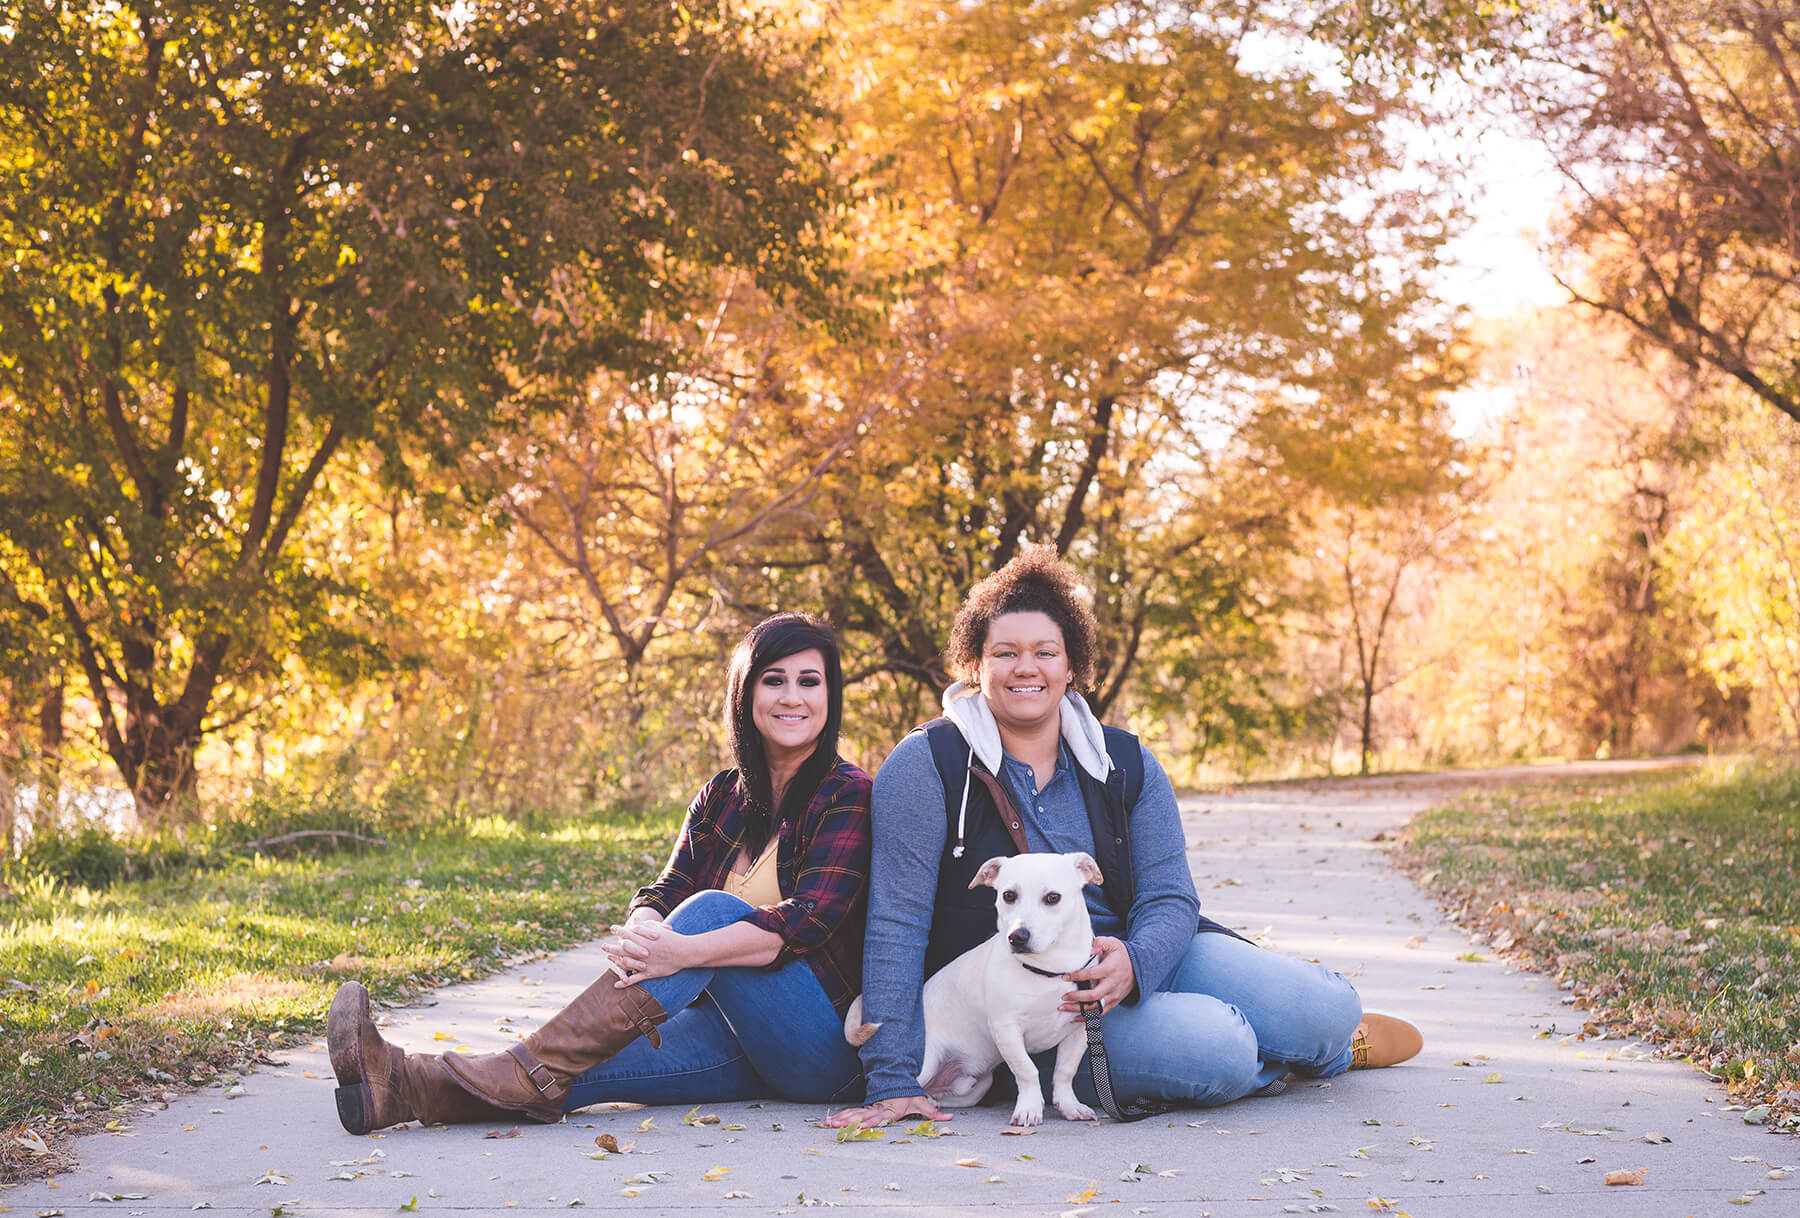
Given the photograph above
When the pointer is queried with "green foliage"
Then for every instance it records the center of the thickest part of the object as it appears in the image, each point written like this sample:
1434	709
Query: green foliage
247	241
1669	903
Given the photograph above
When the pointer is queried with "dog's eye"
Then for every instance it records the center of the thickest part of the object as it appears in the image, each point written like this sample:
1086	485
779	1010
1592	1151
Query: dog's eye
1051	898
1009	896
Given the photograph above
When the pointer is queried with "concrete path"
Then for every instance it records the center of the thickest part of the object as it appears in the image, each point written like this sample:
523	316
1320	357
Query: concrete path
1504	1113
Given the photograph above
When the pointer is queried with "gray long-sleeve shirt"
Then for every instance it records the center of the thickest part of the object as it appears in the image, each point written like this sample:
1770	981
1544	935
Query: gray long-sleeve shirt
909	833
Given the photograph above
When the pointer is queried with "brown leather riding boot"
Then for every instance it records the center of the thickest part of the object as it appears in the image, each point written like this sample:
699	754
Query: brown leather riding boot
534	1075
380	1084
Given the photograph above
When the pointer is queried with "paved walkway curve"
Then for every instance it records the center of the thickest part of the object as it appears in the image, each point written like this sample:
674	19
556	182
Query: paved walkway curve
1504	1113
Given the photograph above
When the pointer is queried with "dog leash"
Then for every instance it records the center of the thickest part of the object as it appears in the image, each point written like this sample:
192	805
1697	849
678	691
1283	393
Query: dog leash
1101	1070
1098	1066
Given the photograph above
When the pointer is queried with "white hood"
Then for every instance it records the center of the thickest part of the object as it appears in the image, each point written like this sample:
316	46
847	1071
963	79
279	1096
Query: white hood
968	710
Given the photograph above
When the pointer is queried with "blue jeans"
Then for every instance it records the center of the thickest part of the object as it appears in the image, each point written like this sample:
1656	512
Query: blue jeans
1234	1019
737	1032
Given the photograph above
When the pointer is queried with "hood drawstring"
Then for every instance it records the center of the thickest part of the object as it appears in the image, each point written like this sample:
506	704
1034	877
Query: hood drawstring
962	814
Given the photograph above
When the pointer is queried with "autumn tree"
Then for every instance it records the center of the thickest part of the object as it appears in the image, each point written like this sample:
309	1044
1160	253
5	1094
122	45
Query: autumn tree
1107	256
244	240
1673	123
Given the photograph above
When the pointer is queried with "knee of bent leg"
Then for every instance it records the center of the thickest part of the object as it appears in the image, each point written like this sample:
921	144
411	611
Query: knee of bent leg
707	910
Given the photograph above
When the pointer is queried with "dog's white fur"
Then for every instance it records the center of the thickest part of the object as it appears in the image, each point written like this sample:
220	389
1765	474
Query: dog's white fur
984	1007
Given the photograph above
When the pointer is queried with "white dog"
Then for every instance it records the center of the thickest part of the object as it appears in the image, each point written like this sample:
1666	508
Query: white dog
998	1001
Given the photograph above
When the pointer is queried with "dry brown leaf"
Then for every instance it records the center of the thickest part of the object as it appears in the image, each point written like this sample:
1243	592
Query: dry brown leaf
1635	1176
971	1161
514	1132
611	1144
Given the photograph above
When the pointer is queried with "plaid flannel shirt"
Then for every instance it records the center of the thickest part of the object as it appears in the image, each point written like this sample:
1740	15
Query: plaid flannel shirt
822	865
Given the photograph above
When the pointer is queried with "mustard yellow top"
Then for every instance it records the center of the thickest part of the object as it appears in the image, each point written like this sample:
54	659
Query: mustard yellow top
760	885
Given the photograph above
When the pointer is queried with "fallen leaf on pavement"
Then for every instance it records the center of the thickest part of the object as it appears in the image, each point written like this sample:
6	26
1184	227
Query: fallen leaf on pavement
514	1132
1635	1176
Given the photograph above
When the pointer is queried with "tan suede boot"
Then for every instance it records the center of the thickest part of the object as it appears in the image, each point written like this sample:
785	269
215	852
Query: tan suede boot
534	1075
1383	1040
381	1084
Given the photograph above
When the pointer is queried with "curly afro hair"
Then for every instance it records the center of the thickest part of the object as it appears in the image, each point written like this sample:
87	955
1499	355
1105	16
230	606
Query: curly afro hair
1036	580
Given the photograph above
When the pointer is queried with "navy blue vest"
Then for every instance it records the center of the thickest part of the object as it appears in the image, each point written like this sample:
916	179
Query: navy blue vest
963	917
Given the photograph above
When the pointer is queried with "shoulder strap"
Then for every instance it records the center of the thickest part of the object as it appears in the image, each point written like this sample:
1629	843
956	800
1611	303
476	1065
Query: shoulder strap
960	774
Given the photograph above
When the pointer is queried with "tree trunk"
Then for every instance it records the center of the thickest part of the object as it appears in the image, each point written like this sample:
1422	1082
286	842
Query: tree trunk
1368	724
50	740
159	745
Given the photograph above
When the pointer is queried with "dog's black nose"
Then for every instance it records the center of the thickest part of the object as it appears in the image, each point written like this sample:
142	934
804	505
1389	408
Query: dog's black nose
1020	939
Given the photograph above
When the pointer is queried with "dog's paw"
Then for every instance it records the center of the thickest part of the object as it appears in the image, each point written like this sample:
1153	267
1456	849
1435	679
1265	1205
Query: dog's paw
1028	1114
1075	1110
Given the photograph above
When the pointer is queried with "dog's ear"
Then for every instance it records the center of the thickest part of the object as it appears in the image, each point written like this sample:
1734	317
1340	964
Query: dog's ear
1089	869
989	870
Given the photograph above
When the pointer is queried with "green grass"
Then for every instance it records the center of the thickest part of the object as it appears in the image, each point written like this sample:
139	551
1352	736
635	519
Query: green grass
121	993
1672	905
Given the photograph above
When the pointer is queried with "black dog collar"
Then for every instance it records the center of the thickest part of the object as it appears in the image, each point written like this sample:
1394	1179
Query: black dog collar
1044	972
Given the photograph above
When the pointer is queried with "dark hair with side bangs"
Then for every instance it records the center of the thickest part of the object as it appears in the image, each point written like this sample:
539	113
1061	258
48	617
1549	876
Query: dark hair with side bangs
1034	581
771	640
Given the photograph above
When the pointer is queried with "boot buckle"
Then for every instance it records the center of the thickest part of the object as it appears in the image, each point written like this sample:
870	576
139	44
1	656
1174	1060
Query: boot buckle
531	1071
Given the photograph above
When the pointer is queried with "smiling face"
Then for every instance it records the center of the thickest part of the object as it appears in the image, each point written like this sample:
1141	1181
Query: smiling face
788	705
1024	670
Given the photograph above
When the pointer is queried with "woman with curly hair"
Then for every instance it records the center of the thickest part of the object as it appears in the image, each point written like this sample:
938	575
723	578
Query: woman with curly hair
1192	1013
731	974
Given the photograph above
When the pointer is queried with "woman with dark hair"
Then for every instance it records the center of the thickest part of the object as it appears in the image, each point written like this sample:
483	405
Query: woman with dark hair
1191	1012
732	971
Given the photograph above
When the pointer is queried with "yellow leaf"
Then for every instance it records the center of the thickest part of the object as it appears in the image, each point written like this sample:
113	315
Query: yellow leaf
856	1133
926	1129
1085	1195
443	1036
716	1173
1493	1078
647	1125
971	1161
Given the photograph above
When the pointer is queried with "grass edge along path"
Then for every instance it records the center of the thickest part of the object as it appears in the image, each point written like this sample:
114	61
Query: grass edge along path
115	998
1667	905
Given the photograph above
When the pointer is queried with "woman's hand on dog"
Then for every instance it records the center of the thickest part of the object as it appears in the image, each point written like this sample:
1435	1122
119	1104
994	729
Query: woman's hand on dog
1112	975
881	1112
